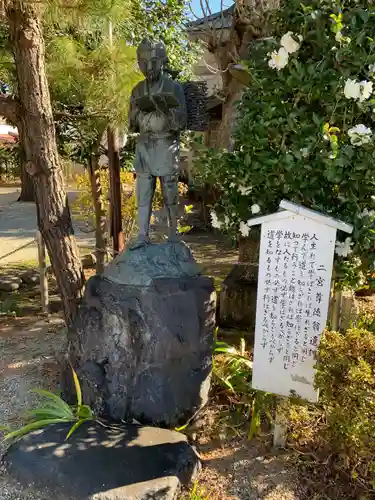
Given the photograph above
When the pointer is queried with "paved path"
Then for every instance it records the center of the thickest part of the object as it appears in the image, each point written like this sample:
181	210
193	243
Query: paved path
18	225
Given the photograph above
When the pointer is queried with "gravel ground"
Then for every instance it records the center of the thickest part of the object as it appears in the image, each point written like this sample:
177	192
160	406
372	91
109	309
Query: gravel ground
28	361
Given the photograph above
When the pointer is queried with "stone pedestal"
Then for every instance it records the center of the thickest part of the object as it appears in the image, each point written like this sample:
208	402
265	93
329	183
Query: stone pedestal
142	344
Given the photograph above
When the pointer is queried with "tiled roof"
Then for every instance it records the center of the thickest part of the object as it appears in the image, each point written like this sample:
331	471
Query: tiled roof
218	20
8	139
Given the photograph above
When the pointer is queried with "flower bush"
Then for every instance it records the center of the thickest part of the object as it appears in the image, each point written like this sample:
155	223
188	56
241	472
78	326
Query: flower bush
305	127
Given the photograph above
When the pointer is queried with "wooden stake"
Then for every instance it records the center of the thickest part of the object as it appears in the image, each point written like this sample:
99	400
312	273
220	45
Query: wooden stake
114	178
280	427
115	190
42	272
336	310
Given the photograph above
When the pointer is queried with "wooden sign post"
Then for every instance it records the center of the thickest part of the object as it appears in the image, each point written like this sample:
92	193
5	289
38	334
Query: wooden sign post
295	271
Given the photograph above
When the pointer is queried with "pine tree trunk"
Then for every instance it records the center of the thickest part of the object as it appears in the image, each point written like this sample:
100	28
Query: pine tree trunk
54	220
234	92
251	20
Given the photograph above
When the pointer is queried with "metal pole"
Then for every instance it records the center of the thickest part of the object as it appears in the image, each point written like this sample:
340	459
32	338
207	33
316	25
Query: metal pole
114	179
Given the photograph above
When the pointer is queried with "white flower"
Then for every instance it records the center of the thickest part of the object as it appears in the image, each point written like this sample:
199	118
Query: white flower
359	91
244	190
352	89
255	209
215	223
368	213
359	135
366	90
357	261
278	59
343	248
371	68
232	185
289	44
244	229
226	220
305	152
339	36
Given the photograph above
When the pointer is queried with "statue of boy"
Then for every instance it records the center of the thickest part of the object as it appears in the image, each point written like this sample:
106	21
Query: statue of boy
158	114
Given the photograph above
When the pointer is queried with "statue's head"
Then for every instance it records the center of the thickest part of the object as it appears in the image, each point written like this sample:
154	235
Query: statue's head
152	57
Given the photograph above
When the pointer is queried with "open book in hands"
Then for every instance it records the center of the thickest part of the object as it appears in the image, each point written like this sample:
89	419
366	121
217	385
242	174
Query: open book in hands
157	102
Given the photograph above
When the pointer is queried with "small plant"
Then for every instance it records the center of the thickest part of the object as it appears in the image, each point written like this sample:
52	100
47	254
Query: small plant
183	228
197	493
232	369
9	307
54	411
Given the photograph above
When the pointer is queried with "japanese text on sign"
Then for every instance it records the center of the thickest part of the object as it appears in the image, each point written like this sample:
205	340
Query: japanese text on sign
293	295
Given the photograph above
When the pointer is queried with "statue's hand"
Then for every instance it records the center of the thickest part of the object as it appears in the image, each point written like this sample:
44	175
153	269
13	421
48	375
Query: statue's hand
161	104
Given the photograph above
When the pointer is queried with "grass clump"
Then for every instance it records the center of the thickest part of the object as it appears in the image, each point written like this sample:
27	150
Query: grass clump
54	411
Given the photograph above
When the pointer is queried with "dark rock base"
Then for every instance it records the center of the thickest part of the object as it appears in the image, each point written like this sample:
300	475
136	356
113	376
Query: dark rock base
145	352
128	462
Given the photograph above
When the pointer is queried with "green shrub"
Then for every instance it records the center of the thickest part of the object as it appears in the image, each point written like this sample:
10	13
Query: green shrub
305	128
346	377
341	428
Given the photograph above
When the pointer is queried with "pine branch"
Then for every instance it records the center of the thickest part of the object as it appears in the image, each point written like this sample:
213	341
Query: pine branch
9	108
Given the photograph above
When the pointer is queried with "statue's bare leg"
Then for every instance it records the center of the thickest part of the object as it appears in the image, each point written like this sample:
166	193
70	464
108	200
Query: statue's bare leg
145	189
169	187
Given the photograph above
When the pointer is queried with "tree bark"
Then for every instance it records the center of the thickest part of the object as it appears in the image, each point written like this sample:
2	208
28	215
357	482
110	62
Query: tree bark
250	21
42	162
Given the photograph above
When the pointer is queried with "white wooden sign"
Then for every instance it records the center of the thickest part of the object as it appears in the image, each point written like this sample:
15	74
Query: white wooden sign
295	270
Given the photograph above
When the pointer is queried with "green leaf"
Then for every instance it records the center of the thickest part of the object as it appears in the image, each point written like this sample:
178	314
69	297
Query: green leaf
182	428
56	402
78	388
76	426
184	229
85	411
33	426
46	413
255	418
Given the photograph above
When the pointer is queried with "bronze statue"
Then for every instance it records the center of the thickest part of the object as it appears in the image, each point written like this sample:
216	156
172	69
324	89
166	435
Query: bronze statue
158	113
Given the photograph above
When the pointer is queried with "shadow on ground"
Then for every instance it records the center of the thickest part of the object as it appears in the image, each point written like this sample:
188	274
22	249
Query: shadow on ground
124	462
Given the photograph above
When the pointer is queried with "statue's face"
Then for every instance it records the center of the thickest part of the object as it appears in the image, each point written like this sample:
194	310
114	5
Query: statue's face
150	64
